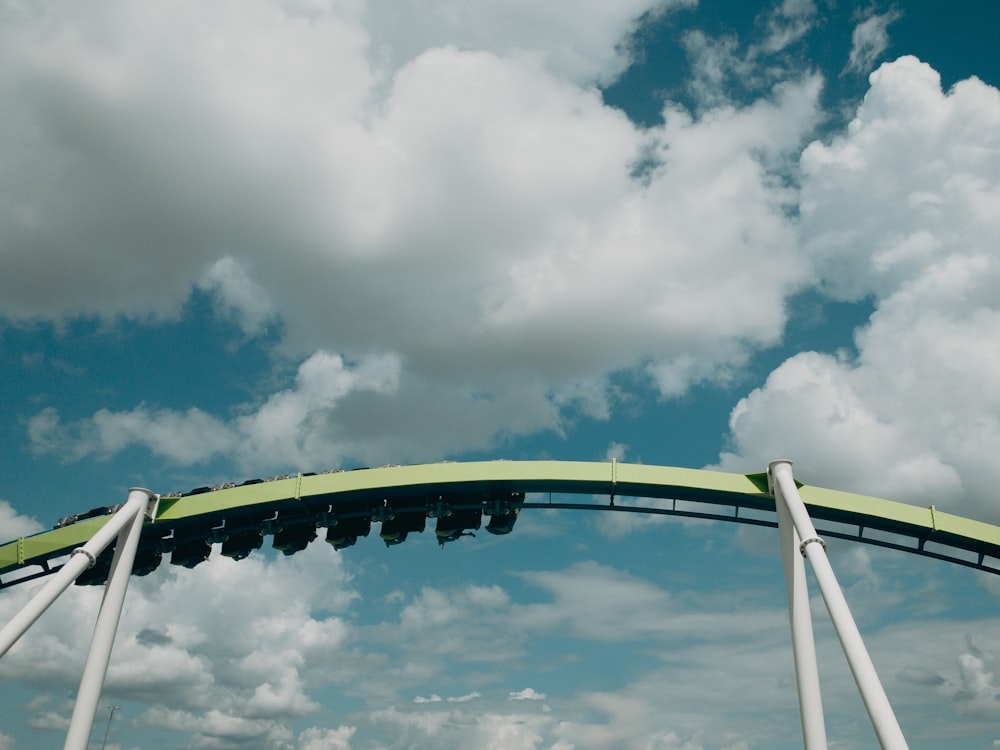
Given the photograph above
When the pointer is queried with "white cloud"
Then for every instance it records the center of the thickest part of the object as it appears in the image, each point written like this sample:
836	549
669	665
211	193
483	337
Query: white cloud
788	23
618	524
15	525
869	40
279	698
810	409
875	217
228	651
493	730
291	428
216	728
465	698
434	197
752	686
434	608
503	730
208	639
238	296
898	208
132	160
435	698
725	68
628	606
616	451
714	62
528	694
315	738
980	691
578	40
474	618
410	724
49	720
961	671
184	437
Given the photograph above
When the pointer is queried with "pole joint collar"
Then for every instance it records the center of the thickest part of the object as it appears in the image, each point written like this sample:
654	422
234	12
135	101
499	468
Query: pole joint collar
811	540
82	551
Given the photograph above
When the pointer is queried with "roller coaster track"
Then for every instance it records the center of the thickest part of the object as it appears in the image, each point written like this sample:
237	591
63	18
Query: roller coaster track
401	498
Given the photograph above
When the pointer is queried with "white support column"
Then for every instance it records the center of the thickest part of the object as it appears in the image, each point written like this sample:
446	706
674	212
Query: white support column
803	642
81	559
883	719
85	709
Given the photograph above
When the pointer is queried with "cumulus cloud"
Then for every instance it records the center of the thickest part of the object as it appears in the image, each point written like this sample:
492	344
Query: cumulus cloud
141	189
505	730
315	738
475	619
906	187
215	727
976	692
291	428
184	437
581	41
961	672
49	720
471	209
444	217
13	525
630	608
632	714
898	209
489	628
196	647
491	729
228	652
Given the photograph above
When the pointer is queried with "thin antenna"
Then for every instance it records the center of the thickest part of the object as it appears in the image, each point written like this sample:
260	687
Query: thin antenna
108	730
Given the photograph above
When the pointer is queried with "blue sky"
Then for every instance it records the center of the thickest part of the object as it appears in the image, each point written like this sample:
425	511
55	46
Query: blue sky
243	239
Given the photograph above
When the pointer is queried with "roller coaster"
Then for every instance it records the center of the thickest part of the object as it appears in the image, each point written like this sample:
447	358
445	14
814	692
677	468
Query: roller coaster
458	496
109	543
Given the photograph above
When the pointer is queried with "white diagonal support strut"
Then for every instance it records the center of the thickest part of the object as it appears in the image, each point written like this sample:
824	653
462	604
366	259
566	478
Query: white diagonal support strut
812	547
94	671
81	559
803	642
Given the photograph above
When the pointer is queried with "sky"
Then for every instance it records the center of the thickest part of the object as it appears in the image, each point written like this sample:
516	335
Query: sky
240	239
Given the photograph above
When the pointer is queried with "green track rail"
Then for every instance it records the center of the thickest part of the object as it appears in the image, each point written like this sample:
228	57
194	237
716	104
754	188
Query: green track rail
304	501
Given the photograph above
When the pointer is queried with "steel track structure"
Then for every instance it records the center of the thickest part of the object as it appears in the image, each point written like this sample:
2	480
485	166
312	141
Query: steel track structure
107	545
324	500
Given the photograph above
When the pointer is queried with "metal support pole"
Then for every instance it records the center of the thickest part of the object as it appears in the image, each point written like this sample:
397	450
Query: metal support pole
81	559
880	712
803	642
85	709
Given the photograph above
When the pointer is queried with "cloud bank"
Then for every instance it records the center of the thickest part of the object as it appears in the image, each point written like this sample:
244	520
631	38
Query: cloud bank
459	240
472	212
